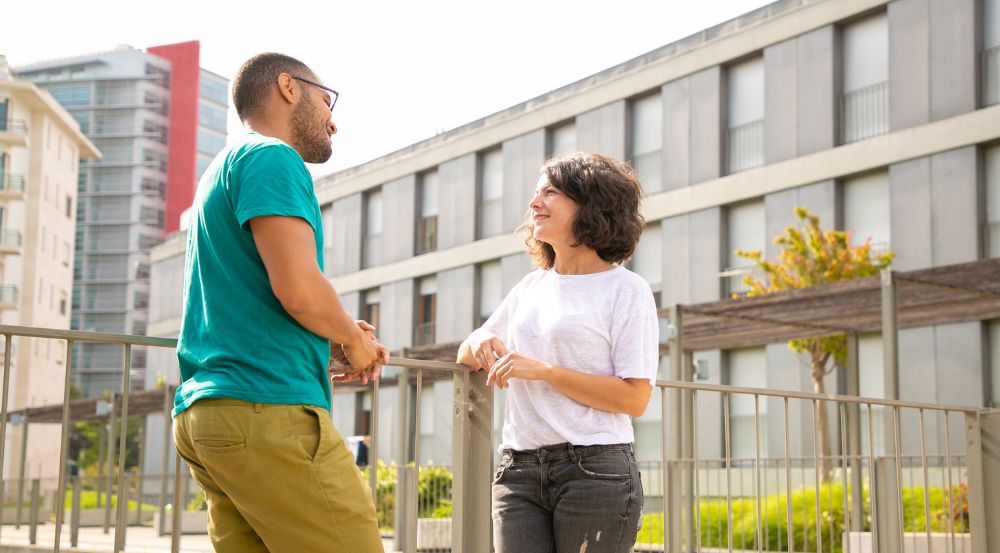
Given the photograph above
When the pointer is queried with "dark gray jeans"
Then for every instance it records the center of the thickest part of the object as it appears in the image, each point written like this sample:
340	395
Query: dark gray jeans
565	498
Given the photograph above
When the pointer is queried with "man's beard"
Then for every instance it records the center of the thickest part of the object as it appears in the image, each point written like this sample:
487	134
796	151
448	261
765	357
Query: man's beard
309	135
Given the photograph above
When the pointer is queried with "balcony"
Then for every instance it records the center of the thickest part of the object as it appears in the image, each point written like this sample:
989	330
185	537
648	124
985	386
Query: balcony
490	217
866	112
11	186
426	234
10	241
9	296
13	132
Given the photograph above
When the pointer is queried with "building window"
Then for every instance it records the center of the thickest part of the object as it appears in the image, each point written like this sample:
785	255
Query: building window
371	250
865	100
866	209
747	368
370	301
427	212
648	259
426	311
745	231
993	201
490	291
490	193
562	139
745	115
646	118
991	51
77	95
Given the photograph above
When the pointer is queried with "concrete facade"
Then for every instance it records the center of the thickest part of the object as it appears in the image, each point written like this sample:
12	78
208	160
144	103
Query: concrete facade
931	151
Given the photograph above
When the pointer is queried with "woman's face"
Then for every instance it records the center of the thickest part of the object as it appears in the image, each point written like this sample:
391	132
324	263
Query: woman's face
552	213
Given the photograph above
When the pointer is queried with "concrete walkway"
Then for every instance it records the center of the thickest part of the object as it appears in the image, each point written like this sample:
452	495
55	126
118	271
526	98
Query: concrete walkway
138	539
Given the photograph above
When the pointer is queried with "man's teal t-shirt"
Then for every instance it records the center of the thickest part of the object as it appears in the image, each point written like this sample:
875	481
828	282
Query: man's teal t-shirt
236	340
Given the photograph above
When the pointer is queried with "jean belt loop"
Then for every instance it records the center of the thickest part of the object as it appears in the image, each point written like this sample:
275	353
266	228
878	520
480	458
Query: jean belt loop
571	450
257	407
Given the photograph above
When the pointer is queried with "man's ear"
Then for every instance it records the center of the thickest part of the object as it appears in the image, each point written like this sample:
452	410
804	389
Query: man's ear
288	89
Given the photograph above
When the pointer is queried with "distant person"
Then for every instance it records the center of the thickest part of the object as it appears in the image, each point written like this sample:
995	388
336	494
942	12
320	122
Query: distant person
260	321
362	459
576	345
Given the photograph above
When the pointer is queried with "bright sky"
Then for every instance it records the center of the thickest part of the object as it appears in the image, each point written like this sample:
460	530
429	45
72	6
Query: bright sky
405	70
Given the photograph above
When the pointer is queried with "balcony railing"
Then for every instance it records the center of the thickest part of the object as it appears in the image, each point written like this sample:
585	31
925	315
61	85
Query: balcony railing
424	334
13	125
993	239
11	183
702	493
371	250
732	279
9	294
991	76
745	146
490	217
10	238
866	112
648	168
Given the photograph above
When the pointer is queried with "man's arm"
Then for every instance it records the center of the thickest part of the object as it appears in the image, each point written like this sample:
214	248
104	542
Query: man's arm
288	248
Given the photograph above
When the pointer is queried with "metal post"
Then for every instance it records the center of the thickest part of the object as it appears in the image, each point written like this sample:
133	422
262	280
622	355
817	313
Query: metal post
33	514
982	433
20	471
3	413
854	432
472	429
373	449
167	434
175	521
890	345
107	474
687	447
889	520
123	436
672	502
404	541
64	445
74	513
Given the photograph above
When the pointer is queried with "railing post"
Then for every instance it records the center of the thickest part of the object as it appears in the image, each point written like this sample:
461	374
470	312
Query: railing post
982	448
471	530
854	433
21	467
165	470
888	516
405	534
674	487
108	490
33	513
74	513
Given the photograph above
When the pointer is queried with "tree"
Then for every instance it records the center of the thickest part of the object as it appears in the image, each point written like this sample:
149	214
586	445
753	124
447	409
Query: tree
811	256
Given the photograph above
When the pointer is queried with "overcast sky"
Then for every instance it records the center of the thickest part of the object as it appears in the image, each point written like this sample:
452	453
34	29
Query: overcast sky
405	70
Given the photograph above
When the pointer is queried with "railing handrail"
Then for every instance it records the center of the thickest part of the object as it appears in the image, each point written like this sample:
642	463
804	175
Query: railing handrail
87	336
867	89
790	394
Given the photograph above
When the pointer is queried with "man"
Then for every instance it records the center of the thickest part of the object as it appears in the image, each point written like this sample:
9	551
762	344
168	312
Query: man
251	415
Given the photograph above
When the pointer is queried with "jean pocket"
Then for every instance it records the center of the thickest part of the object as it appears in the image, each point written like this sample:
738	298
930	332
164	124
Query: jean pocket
605	465
304	428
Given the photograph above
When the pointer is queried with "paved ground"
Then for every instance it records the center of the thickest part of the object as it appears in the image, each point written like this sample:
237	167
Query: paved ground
93	540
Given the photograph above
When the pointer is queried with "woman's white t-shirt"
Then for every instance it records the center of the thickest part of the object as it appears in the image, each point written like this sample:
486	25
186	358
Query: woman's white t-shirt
602	323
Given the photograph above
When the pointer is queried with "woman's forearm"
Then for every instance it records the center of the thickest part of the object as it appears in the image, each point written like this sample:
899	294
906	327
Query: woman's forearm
607	393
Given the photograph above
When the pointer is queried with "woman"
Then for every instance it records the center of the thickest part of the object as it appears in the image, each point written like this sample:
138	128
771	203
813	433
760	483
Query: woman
576	344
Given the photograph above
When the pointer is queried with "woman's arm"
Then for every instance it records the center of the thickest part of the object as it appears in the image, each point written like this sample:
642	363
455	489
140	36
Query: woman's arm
607	393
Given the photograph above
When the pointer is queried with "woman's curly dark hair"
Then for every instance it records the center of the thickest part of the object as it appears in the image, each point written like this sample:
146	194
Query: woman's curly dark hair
608	193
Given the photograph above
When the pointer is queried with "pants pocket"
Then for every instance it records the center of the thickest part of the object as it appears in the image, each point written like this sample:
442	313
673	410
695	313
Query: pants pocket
605	465
304	429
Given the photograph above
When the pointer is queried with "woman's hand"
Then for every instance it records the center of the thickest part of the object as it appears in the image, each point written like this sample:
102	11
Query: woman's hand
515	365
486	348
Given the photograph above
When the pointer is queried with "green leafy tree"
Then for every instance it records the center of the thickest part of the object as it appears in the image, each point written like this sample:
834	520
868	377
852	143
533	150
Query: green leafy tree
810	256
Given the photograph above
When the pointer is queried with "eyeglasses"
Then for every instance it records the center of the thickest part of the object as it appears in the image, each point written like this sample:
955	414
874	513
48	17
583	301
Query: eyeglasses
333	93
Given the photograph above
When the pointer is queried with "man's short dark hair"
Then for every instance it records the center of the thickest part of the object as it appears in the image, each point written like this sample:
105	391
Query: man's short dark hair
257	75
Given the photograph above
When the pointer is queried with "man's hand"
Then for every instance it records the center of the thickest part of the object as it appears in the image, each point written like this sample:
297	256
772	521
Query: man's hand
341	368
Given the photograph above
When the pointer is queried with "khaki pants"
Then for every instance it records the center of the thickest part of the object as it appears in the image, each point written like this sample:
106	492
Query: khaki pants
277	478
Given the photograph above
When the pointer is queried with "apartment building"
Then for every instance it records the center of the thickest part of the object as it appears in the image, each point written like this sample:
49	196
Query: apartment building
159	118
880	116
41	146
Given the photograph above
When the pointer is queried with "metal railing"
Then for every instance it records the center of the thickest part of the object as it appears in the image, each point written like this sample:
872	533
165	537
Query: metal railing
993	239
371	250
866	112
732	279
649	170
10	237
745	146
11	182
427	234
784	492
13	125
